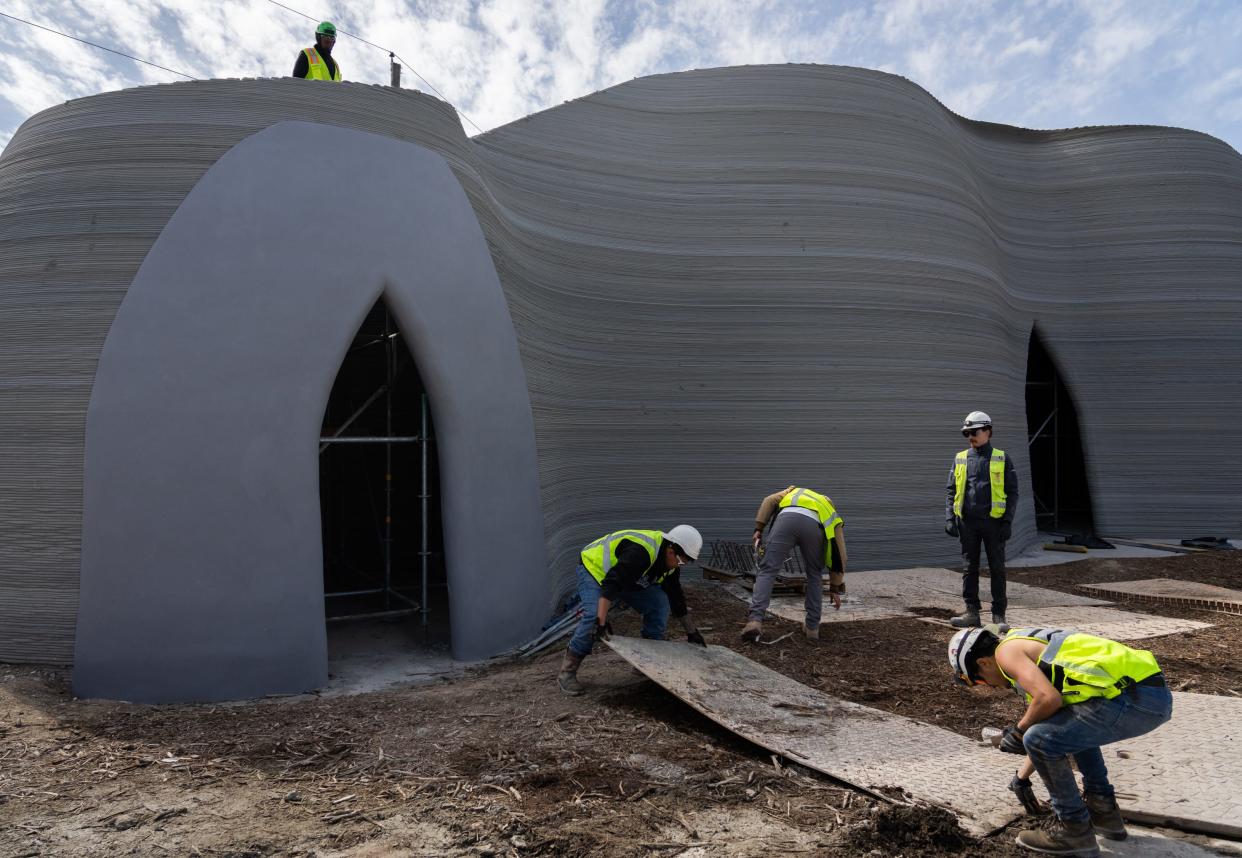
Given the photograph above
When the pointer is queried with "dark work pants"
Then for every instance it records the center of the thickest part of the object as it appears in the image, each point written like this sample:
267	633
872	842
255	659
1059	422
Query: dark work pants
977	533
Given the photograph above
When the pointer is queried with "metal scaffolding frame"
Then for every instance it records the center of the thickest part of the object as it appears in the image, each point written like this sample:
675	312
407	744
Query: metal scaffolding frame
391	594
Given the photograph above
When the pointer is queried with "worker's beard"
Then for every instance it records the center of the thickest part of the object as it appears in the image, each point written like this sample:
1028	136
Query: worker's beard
322	48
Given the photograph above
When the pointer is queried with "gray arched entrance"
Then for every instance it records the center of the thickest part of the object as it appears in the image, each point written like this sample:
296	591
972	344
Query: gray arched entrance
201	554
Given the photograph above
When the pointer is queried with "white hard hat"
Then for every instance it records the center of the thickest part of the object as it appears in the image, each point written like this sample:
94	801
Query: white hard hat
687	539
977	420
960	648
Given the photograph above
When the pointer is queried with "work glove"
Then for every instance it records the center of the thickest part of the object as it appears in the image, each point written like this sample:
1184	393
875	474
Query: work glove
950	527
603	631
1026	795
696	637
1006	530
1011	741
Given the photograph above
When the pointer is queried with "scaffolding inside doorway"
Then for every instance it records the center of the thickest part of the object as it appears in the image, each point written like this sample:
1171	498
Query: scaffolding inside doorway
380	583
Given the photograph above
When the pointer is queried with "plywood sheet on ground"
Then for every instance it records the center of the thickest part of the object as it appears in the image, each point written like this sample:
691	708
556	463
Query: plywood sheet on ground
871	749
1187	773
1105	622
1169	591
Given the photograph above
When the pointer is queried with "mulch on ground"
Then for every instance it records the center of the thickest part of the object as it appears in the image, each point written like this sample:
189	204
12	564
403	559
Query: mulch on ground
500	763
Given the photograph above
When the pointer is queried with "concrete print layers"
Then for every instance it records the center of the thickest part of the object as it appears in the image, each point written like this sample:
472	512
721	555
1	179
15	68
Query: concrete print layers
744	277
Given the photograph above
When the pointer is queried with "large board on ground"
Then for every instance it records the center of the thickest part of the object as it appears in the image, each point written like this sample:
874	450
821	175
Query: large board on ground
870	749
1187	773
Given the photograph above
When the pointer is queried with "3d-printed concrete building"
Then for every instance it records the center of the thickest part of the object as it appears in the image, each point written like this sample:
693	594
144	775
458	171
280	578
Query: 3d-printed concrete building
652	305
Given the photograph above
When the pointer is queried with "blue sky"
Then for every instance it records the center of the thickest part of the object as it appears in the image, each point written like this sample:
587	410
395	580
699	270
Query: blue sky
1034	63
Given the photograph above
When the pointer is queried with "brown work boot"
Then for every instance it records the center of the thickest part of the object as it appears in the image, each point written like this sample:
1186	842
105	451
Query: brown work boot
1105	816
567	679
1062	838
812	634
751	631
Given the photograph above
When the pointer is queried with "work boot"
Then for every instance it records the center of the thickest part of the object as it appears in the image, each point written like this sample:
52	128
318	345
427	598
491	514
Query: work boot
1062	838
751	631
567	679
812	634
968	619
998	619
1105	816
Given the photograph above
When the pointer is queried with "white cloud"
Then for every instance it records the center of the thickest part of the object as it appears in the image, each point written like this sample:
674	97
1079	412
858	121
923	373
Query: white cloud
1045	63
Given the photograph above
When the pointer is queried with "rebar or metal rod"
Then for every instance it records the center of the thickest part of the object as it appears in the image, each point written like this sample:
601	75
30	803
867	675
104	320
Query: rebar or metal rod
358	413
400	612
389	351
1033	438
424	499
1056	451
371	439
371	592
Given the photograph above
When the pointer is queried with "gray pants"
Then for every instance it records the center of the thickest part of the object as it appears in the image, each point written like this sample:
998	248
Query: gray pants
790	529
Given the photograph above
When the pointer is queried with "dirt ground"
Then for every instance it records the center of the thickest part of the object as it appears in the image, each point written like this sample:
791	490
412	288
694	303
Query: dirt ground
500	763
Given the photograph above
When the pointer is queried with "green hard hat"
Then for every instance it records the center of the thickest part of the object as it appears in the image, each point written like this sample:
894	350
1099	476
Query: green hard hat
327	28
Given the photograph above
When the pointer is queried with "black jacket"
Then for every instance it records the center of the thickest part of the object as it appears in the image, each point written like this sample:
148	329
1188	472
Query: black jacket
978	500
633	571
302	67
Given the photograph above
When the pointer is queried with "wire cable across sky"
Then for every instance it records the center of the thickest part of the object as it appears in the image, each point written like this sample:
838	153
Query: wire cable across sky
104	47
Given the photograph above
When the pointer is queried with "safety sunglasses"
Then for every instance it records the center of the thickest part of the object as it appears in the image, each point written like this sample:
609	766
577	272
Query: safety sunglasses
970	433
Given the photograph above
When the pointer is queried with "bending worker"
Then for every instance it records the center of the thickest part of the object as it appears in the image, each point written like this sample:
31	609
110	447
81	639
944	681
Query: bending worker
980	501
1081	692
640	568
807	519
316	63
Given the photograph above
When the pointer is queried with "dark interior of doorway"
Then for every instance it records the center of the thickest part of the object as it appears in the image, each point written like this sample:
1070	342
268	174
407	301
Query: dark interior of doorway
379	492
1058	467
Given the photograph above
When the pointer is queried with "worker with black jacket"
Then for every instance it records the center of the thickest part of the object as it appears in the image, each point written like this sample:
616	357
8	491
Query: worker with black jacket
640	568
981	499
316	63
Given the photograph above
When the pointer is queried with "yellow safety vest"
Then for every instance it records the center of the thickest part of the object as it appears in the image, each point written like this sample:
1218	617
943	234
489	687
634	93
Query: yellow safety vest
601	555
317	68
996	477
1083	666
822	506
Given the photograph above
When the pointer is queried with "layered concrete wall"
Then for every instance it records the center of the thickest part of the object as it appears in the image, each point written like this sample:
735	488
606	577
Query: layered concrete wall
722	282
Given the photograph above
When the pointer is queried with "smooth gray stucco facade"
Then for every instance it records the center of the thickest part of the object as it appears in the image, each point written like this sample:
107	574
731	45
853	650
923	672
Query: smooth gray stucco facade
201	554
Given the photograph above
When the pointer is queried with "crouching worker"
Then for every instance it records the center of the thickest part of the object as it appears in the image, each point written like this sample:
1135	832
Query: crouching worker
640	568
1081	692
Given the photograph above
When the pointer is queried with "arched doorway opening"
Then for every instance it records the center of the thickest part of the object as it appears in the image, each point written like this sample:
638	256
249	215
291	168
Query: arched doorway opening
385	587
1059	480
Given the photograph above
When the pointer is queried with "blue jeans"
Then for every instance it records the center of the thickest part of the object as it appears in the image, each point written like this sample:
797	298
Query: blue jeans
651	602
1079	730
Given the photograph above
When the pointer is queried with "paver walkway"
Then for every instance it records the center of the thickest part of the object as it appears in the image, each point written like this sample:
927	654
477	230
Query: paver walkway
888	594
1169	591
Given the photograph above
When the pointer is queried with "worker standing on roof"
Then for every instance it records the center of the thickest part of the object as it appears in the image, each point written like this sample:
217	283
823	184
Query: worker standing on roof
1081	692
317	63
807	519
640	568
980	501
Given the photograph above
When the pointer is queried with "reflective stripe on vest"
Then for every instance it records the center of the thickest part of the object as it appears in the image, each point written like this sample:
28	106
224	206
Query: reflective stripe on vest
822	506
996	479
1083	666
317	69
601	555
